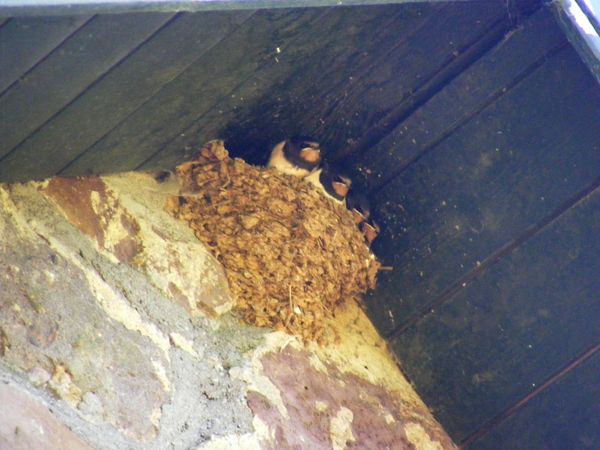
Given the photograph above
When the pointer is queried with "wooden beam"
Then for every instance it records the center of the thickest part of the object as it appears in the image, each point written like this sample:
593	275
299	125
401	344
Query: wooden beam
581	24
69	7
402	163
292	90
564	411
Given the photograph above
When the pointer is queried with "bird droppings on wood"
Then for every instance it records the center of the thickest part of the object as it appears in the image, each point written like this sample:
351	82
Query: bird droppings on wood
291	255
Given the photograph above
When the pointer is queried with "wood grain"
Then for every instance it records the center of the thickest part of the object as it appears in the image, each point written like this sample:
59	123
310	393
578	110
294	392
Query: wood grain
275	102
484	186
26	41
69	70
369	78
511	328
118	94
214	76
489	78
565	415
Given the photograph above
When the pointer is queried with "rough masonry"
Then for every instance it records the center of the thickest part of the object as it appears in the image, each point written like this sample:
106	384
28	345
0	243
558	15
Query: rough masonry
116	332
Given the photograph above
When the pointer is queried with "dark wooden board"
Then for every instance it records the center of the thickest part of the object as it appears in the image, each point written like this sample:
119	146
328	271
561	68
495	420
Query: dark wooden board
469	93
119	93
360	106
343	42
195	91
27	40
461	54
339	102
513	327
484	186
70	69
564	416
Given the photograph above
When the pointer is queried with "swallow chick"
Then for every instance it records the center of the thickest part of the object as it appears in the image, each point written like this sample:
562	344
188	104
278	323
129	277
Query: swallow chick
370	231
298	156
358	204
331	182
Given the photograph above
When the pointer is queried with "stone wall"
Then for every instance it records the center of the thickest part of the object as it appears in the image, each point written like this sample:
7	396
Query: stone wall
116	333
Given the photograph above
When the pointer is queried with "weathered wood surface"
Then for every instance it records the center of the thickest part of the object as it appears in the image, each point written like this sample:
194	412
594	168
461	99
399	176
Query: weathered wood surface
474	89
286	94
340	105
194	92
512	327
566	415
69	70
332	73
460	54
484	185
27	8
121	92
25	41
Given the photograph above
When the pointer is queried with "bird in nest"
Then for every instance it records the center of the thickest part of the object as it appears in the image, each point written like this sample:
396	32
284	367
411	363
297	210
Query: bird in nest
331	181
298	156
301	156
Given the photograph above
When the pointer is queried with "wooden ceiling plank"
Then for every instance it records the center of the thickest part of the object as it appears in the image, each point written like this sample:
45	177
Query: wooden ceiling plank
344	35
349	96
25	41
361	105
566	414
460	100
69	70
512	328
194	92
485	185
118	94
53	7
316	99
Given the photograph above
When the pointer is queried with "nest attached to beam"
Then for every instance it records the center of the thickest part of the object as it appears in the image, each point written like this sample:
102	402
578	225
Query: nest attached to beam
291	256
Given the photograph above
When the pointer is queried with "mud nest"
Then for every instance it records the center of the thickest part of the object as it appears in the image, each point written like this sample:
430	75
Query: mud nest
291	256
